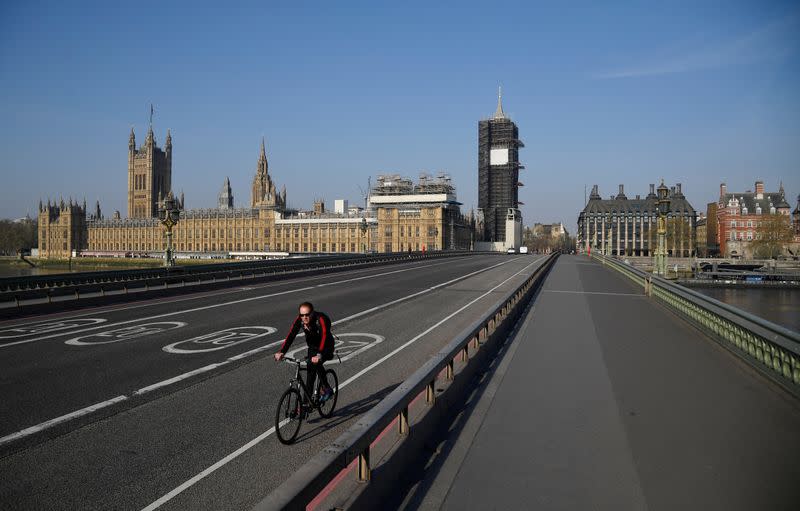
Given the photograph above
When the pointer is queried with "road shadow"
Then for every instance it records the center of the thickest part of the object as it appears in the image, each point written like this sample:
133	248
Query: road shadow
344	414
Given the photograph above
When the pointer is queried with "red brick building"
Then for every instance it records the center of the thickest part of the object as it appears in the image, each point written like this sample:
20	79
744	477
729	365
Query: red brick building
739	215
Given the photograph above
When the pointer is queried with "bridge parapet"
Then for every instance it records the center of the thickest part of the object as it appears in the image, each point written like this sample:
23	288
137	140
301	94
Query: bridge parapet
771	349
457	363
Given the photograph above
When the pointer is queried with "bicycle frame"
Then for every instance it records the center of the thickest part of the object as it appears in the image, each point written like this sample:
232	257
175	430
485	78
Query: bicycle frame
298	380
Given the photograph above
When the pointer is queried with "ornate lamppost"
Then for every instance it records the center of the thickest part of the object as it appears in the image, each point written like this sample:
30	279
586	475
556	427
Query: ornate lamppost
363	228
433	232
168	215
663	209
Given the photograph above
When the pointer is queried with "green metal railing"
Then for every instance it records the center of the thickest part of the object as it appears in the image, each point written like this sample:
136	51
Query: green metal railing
770	348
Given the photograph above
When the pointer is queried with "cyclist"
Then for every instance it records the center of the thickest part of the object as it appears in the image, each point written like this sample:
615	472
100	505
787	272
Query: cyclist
317	328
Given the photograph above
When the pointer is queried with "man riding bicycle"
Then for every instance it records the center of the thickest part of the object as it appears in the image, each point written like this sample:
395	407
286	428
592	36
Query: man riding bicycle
319	338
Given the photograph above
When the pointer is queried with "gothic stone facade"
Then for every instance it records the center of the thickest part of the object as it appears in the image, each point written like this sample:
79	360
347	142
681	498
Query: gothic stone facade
266	226
62	229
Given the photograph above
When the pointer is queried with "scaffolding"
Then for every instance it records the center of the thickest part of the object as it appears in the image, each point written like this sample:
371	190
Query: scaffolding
393	184
439	184
498	183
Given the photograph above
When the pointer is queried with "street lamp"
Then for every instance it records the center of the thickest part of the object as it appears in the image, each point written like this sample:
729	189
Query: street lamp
363	229
663	209
434	233
168	215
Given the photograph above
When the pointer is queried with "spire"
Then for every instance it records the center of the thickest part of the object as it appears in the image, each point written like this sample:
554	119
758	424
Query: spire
132	140
150	137
168	143
498	114
263	155
781	191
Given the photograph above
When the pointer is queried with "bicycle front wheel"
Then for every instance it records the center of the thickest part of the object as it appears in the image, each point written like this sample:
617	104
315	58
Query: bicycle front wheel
289	416
327	407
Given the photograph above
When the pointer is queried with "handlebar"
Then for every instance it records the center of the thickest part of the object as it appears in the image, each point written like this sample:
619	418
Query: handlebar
299	361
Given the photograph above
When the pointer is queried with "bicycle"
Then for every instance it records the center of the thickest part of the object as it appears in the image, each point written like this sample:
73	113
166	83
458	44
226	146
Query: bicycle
293	409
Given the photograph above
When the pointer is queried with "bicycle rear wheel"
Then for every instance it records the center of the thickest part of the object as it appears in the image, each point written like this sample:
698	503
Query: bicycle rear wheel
327	407
289	416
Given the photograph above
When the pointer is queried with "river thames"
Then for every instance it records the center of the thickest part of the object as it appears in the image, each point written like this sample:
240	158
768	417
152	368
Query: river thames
781	306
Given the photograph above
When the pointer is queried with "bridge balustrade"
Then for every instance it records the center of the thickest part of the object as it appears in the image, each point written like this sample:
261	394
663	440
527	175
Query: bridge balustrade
466	352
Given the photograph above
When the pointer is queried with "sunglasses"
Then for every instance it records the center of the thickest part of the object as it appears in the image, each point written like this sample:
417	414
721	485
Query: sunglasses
305	315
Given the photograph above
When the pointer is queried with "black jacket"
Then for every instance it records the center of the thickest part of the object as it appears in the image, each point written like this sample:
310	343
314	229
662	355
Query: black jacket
318	337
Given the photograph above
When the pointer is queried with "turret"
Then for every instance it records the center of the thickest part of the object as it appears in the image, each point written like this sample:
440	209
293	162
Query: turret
150	140
132	141
168	144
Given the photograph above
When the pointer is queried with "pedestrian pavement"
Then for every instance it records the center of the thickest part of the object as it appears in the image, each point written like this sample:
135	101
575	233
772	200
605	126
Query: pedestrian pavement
606	400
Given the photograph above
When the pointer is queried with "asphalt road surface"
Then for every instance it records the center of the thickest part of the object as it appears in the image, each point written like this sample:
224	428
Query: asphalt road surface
169	403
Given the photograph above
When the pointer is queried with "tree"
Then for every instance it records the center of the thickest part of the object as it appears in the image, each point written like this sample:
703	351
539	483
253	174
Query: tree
773	233
678	239
16	236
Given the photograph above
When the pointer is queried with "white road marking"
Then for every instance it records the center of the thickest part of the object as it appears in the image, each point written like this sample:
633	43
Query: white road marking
160	302
126	333
593	293
46	327
180	377
235	454
144	390
221	340
235	302
350	348
58	420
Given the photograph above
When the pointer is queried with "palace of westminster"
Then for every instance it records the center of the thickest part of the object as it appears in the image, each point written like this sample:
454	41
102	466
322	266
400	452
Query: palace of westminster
400	216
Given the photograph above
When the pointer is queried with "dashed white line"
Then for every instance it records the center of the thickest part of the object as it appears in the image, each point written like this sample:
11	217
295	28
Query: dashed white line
144	390
58	420
224	461
225	304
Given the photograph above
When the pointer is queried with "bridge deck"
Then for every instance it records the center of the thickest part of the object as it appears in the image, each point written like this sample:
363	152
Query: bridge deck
605	400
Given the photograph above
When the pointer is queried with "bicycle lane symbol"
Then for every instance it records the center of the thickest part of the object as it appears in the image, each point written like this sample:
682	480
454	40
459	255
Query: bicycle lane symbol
346	347
219	340
47	327
124	334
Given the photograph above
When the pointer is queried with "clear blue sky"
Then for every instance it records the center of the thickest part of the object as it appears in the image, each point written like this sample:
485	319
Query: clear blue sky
694	92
